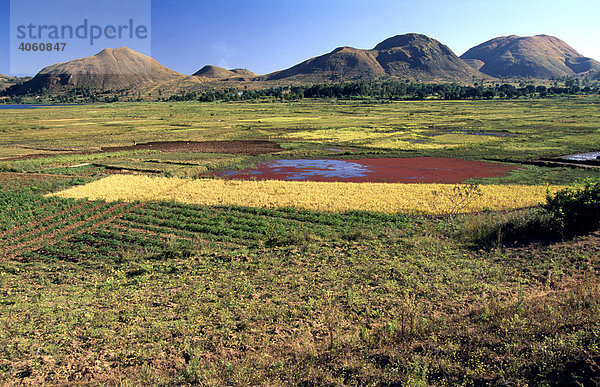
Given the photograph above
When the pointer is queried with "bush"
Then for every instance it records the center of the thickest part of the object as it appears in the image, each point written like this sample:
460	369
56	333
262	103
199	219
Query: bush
576	209
497	229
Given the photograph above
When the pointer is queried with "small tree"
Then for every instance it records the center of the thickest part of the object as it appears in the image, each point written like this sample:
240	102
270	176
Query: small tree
455	201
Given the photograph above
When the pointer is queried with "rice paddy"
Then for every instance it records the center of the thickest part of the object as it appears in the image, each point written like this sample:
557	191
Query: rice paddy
333	197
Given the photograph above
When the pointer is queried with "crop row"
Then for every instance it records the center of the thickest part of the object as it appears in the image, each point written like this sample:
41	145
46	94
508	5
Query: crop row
248	226
165	232
76	230
287	214
221	225
20	209
59	221
34	227
91	245
52	223
217	232
210	223
260	221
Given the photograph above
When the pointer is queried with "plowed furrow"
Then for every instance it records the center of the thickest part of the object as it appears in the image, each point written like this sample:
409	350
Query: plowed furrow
49	239
36	232
117	216
206	234
150	232
38	222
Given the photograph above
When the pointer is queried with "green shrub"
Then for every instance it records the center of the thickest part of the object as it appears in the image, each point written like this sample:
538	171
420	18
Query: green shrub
496	229
576	209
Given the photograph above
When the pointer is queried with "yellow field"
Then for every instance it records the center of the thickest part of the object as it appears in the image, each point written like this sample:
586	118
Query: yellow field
379	197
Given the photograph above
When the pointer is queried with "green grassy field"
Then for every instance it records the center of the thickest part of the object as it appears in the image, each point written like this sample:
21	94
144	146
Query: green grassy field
511	131
172	294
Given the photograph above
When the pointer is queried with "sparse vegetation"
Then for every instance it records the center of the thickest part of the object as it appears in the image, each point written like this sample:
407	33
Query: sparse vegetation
236	295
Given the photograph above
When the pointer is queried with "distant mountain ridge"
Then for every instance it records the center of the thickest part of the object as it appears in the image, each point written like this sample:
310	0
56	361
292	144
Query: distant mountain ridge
540	56
412	56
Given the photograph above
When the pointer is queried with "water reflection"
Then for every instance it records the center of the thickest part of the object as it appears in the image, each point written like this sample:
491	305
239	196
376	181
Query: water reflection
305	169
583	156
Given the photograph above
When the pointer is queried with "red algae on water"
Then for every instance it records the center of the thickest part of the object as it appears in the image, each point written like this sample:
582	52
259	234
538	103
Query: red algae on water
384	170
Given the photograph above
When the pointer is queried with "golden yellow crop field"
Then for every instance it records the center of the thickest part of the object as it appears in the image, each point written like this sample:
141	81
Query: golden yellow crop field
334	197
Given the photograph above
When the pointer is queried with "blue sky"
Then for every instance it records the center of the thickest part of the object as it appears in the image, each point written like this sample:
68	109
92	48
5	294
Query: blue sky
268	35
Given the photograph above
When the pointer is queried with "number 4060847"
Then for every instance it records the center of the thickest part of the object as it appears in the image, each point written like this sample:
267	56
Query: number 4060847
42	46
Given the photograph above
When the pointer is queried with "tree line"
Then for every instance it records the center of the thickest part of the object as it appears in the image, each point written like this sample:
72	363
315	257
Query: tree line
391	90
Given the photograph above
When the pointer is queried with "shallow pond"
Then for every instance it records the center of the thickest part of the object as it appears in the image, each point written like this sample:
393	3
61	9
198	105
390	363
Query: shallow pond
583	156
32	106
389	170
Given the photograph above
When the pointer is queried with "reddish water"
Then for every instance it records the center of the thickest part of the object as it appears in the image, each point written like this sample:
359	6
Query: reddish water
393	170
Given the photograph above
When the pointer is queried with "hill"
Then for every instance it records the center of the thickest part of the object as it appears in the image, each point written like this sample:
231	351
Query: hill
3	82
540	56
215	72
412	56
6	81
111	69
408	54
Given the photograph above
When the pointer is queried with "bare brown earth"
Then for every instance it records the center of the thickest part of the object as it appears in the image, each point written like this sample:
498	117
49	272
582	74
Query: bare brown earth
232	147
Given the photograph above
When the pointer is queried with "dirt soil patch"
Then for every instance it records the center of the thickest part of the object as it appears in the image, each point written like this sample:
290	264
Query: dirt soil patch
251	148
232	147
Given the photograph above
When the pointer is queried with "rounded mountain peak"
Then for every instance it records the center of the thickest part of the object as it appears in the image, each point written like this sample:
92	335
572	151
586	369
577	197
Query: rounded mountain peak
404	40
211	71
122	49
